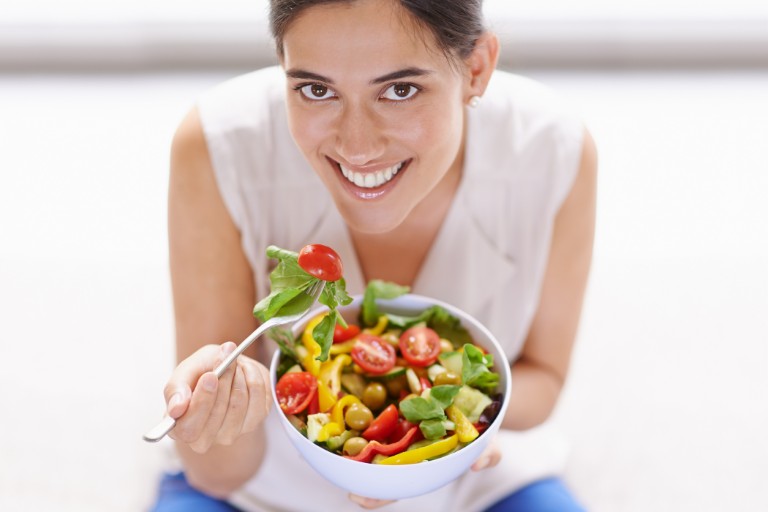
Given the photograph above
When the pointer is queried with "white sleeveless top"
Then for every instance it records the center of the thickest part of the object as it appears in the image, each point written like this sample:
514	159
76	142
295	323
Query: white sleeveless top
522	153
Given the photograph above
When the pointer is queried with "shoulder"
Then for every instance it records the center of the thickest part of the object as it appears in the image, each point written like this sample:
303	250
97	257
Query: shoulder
245	100
529	111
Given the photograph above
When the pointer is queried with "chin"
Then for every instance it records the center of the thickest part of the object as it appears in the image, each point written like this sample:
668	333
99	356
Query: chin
372	221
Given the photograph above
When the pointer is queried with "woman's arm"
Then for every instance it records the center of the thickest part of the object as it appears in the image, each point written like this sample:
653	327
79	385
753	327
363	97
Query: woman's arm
219	436
539	374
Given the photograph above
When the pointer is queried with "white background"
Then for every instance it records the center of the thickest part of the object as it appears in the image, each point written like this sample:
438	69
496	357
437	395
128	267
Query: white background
665	404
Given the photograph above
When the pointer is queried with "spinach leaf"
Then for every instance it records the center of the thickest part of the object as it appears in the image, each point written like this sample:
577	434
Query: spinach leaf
323	334
475	369
284	339
444	395
449	327
377	289
418	409
289	285
433	429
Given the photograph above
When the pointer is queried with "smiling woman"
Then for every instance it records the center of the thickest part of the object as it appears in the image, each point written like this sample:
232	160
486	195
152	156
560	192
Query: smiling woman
378	145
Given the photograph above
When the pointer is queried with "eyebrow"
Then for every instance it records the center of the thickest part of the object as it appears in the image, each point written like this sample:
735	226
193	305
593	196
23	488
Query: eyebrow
301	74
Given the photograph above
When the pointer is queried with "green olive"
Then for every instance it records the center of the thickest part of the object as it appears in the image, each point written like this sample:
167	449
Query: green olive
354	445
396	384
358	417
375	395
447	378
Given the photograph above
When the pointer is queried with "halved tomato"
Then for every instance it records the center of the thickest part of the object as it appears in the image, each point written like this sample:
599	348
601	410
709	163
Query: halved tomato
295	391
320	261
420	346
373	354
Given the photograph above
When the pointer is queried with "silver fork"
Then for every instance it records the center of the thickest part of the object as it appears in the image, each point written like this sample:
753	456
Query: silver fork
166	424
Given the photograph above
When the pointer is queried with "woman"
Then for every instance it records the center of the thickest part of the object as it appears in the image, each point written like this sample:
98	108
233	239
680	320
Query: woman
386	134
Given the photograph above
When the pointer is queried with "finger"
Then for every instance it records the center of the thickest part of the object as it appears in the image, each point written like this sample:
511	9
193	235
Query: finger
190	426
488	459
232	426
178	390
369	503
259	394
219	410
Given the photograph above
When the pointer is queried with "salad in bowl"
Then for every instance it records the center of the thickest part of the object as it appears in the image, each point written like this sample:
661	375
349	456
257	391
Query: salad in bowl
399	398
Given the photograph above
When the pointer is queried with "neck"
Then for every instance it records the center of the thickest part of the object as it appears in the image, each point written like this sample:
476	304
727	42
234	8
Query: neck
397	255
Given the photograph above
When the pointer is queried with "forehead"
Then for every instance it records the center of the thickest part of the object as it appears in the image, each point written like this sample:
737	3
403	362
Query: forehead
361	36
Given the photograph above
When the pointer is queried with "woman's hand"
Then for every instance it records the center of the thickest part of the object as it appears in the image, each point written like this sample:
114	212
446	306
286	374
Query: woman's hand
489	458
210	410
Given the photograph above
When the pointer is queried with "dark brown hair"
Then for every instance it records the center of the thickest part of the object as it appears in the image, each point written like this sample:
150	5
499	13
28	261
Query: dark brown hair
456	24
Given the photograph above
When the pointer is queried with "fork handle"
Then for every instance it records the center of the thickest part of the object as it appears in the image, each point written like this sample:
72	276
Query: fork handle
219	371
160	430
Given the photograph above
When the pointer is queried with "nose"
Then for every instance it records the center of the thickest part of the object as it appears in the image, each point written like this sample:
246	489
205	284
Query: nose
360	135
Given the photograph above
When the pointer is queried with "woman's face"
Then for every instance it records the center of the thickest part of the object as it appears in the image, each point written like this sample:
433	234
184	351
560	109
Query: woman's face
375	107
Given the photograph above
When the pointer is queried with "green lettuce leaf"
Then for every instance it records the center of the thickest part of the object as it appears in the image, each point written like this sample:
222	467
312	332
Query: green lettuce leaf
444	395
418	409
475	370
289	284
377	289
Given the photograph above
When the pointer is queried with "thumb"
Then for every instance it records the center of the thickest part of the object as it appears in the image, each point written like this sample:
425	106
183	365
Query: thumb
179	401
178	390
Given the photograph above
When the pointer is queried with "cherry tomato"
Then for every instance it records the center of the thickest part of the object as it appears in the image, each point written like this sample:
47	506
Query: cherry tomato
341	334
420	346
373	354
383	426
321	262
295	391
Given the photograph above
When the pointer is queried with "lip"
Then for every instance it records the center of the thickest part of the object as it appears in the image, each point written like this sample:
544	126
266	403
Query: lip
368	193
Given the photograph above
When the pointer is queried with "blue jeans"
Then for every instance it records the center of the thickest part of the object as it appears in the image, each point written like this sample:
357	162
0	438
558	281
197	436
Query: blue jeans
549	495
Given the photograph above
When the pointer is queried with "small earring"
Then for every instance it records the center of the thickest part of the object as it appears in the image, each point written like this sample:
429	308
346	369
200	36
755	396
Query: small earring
474	101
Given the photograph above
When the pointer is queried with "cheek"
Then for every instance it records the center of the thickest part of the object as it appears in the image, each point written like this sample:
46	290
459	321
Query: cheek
307	128
434	131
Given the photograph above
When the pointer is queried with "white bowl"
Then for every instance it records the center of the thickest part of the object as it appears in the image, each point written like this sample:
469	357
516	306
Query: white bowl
402	481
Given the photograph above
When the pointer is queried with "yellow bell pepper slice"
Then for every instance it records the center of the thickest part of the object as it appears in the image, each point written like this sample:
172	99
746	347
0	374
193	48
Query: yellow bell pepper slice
329	430
337	414
425	452
326	398
345	347
464	428
310	362
377	329
330	372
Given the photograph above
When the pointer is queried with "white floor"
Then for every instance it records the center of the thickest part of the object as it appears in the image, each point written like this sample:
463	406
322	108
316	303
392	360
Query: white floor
666	403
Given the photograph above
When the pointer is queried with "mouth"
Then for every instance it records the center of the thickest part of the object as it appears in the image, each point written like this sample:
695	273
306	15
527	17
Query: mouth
371	179
371	182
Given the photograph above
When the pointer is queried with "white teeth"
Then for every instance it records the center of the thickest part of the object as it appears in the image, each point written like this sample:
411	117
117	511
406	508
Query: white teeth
371	179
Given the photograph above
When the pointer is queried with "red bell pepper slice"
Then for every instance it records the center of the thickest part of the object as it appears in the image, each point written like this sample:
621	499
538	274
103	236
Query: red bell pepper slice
340	334
374	447
384	424
402	428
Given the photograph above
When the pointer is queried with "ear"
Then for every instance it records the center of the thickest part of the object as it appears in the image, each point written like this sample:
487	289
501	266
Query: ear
480	64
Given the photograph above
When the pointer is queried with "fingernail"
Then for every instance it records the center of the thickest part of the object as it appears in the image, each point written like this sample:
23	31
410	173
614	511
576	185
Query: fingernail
174	401
481	463
227	348
209	382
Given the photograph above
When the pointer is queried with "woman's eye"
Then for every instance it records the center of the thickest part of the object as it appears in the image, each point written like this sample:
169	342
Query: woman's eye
399	92
316	92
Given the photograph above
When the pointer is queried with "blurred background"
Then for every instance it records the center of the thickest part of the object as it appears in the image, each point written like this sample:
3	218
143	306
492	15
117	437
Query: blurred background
666	403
